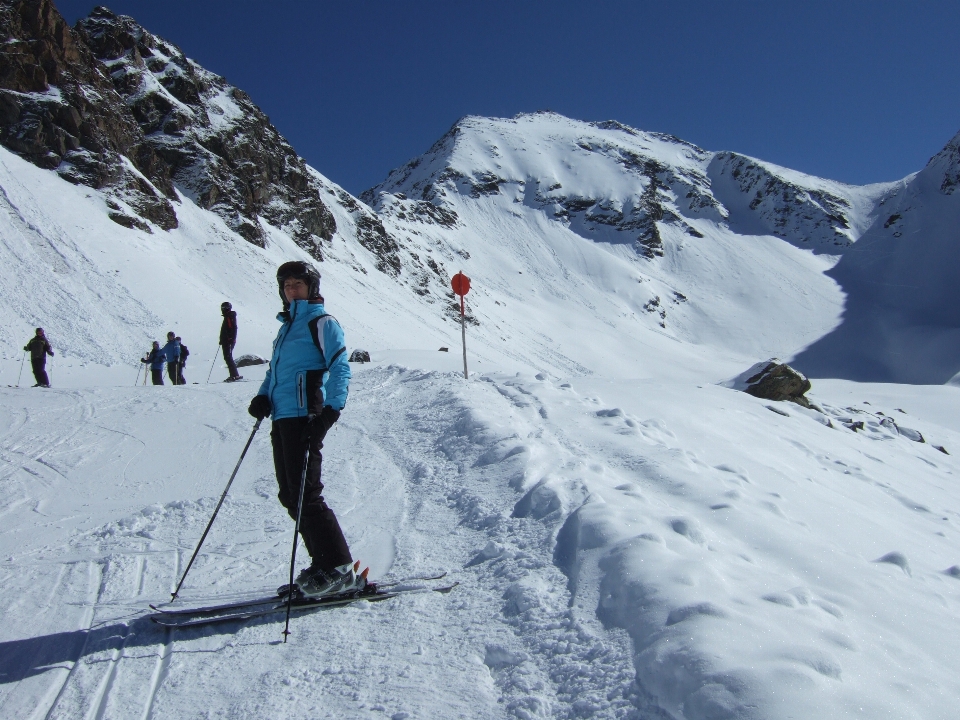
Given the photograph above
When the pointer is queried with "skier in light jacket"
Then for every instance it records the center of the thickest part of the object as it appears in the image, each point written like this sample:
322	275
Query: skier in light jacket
305	389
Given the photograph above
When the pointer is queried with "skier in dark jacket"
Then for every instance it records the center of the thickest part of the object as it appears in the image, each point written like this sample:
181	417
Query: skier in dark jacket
184	354
172	352
156	359
39	349
228	338
304	390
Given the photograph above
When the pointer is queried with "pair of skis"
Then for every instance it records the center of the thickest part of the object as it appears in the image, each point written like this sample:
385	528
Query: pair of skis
246	609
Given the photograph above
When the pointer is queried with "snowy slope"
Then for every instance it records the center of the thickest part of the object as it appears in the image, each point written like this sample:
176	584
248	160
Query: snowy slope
624	549
902	315
103	292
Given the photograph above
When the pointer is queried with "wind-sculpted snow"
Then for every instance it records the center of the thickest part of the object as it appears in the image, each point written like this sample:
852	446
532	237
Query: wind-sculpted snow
623	549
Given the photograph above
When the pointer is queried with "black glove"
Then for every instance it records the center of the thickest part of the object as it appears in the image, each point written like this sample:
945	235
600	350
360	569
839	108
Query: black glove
319	425
260	407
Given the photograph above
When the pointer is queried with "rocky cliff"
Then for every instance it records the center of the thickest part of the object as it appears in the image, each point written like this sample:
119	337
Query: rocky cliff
109	105
59	110
220	148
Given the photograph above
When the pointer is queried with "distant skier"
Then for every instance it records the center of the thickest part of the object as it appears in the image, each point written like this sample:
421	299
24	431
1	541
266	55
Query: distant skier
305	389
228	338
184	354
172	353
39	349
156	359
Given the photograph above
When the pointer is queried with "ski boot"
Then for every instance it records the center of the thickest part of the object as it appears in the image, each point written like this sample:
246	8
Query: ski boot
315	582
363	585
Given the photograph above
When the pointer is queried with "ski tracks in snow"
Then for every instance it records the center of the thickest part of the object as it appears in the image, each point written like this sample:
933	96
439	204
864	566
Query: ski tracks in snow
611	564
469	451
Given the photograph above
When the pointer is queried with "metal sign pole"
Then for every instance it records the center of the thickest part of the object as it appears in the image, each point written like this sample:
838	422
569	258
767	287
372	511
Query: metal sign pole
461	286
463	337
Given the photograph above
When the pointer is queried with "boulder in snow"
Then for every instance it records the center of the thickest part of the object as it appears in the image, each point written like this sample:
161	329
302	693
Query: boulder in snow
360	356
247	360
773	380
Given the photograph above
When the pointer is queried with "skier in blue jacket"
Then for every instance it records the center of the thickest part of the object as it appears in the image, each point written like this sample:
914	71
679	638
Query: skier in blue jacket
304	390
171	351
155	359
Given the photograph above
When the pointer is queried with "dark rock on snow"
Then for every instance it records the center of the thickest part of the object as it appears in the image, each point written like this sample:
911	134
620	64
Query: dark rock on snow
248	360
774	380
360	356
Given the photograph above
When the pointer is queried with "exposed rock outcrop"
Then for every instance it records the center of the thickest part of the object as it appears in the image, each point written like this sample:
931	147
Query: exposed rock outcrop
775	205
222	151
59	111
774	380
111	106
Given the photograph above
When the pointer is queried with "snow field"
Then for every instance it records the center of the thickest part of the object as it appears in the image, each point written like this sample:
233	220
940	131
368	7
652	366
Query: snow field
624	548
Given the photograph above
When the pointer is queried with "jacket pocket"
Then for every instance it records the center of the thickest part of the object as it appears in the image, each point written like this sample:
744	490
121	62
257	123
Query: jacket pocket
301	390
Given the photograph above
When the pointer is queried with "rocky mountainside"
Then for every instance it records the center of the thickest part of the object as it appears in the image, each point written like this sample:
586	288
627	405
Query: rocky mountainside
221	150
689	221
109	105
59	110
902	314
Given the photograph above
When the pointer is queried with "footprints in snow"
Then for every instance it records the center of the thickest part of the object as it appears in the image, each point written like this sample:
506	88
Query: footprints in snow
800	597
653	430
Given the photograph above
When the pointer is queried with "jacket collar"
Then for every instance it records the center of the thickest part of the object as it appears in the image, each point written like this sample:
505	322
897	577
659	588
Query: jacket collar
301	308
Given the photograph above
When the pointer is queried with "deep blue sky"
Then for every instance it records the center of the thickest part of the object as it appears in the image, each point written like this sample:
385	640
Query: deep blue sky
846	89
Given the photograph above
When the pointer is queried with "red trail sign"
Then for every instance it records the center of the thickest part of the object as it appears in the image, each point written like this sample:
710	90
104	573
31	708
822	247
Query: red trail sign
461	286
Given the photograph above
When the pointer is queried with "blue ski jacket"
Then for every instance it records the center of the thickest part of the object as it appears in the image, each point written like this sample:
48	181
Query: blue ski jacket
156	359
308	367
171	351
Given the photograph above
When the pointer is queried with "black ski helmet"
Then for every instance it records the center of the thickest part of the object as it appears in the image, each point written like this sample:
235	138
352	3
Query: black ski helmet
301	271
224	306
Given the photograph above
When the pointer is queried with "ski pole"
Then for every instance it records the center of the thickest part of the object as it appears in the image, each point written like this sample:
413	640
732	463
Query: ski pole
137	381
216	510
296	535
21	367
212	364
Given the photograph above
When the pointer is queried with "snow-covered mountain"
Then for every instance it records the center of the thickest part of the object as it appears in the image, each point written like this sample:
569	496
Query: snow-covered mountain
632	538
646	234
902	312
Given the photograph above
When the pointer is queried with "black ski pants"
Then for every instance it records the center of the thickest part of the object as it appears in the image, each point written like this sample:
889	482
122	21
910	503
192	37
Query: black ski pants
156	376
173	372
181	380
231	365
319	528
40	370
